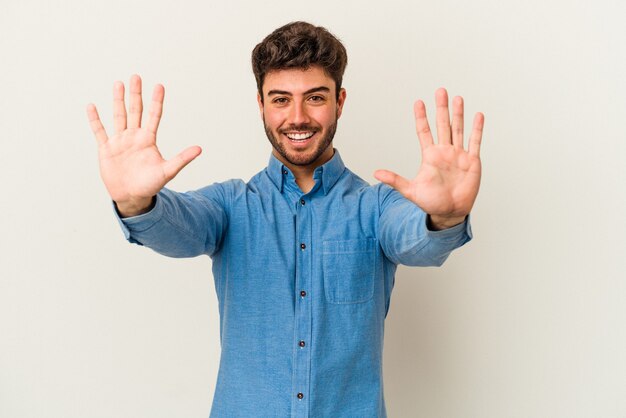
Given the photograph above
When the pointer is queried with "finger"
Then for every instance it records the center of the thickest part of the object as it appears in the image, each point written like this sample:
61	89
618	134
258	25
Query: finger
443	117
156	108
96	126
477	134
135	107
394	180
457	122
119	108
421	125
172	167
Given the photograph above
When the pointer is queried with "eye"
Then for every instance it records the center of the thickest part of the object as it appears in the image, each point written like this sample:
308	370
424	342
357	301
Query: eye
280	100
317	99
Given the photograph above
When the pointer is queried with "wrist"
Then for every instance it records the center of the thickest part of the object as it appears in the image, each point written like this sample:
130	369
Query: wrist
438	223
134	207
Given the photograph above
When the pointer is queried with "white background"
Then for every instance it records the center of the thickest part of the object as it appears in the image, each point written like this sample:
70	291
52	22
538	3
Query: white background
528	320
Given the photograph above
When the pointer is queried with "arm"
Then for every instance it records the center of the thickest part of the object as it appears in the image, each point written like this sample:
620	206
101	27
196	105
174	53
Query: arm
135	173
182	224
406	237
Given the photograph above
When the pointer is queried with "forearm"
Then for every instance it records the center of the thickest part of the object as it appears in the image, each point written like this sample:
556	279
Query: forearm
178	225
407	237
411	242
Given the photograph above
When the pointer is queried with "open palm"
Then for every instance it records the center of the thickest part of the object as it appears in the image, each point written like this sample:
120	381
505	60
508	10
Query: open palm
131	165
448	179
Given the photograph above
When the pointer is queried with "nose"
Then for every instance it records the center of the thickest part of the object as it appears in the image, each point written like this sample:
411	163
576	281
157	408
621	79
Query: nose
299	115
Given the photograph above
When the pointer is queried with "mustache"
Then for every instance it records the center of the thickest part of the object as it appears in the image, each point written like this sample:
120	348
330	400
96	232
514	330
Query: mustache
299	128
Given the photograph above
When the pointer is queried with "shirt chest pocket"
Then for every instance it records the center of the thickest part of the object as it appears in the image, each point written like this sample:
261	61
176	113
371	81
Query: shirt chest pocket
349	267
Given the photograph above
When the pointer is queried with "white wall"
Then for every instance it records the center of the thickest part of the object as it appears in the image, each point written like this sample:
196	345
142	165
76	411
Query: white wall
529	320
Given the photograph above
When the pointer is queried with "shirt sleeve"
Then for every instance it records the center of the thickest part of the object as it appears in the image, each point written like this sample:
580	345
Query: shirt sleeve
405	237
182	224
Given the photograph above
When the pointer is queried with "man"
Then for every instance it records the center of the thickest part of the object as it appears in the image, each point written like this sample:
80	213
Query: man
304	254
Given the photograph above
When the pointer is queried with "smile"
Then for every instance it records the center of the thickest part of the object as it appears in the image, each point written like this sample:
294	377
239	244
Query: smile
299	136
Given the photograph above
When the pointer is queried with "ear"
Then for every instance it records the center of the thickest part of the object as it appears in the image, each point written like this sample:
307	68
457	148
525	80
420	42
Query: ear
260	103
340	101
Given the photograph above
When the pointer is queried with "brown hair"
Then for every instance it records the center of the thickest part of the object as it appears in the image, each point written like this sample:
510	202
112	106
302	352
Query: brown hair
299	45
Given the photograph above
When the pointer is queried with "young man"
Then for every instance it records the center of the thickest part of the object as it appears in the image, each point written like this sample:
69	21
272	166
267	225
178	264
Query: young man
304	255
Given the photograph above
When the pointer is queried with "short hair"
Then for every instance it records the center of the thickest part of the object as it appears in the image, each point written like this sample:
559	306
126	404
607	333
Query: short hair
299	45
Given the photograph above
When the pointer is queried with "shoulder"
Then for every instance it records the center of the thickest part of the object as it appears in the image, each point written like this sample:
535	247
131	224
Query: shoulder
232	189
219	192
380	191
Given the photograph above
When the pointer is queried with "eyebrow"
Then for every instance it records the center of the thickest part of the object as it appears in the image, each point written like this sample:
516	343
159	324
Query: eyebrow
309	91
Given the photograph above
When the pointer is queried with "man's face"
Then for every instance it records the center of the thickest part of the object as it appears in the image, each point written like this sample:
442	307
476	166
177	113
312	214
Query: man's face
300	112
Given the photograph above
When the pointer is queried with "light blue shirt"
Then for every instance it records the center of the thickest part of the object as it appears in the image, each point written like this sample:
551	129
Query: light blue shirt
303	281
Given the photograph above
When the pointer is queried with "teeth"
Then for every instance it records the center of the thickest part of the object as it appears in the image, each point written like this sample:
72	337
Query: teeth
300	136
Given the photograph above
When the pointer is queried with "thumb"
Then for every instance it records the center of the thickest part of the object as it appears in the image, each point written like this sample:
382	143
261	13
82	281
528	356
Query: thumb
173	166
394	180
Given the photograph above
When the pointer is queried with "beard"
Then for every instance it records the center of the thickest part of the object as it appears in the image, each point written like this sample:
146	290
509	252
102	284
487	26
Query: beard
298	158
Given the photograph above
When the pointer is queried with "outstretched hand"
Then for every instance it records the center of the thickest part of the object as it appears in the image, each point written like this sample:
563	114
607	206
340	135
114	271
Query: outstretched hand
447	182
131	165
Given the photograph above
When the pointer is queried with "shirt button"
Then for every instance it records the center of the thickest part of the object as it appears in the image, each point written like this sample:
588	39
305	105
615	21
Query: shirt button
303	245
300	396
285	172
302	344
303	293
302	202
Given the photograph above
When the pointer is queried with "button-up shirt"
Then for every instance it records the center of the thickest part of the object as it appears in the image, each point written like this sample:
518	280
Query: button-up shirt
303	281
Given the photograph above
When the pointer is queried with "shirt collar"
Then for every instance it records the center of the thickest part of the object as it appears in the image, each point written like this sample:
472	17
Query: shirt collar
328	172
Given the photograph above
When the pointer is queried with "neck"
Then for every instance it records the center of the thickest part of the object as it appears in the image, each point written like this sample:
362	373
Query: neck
304	173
